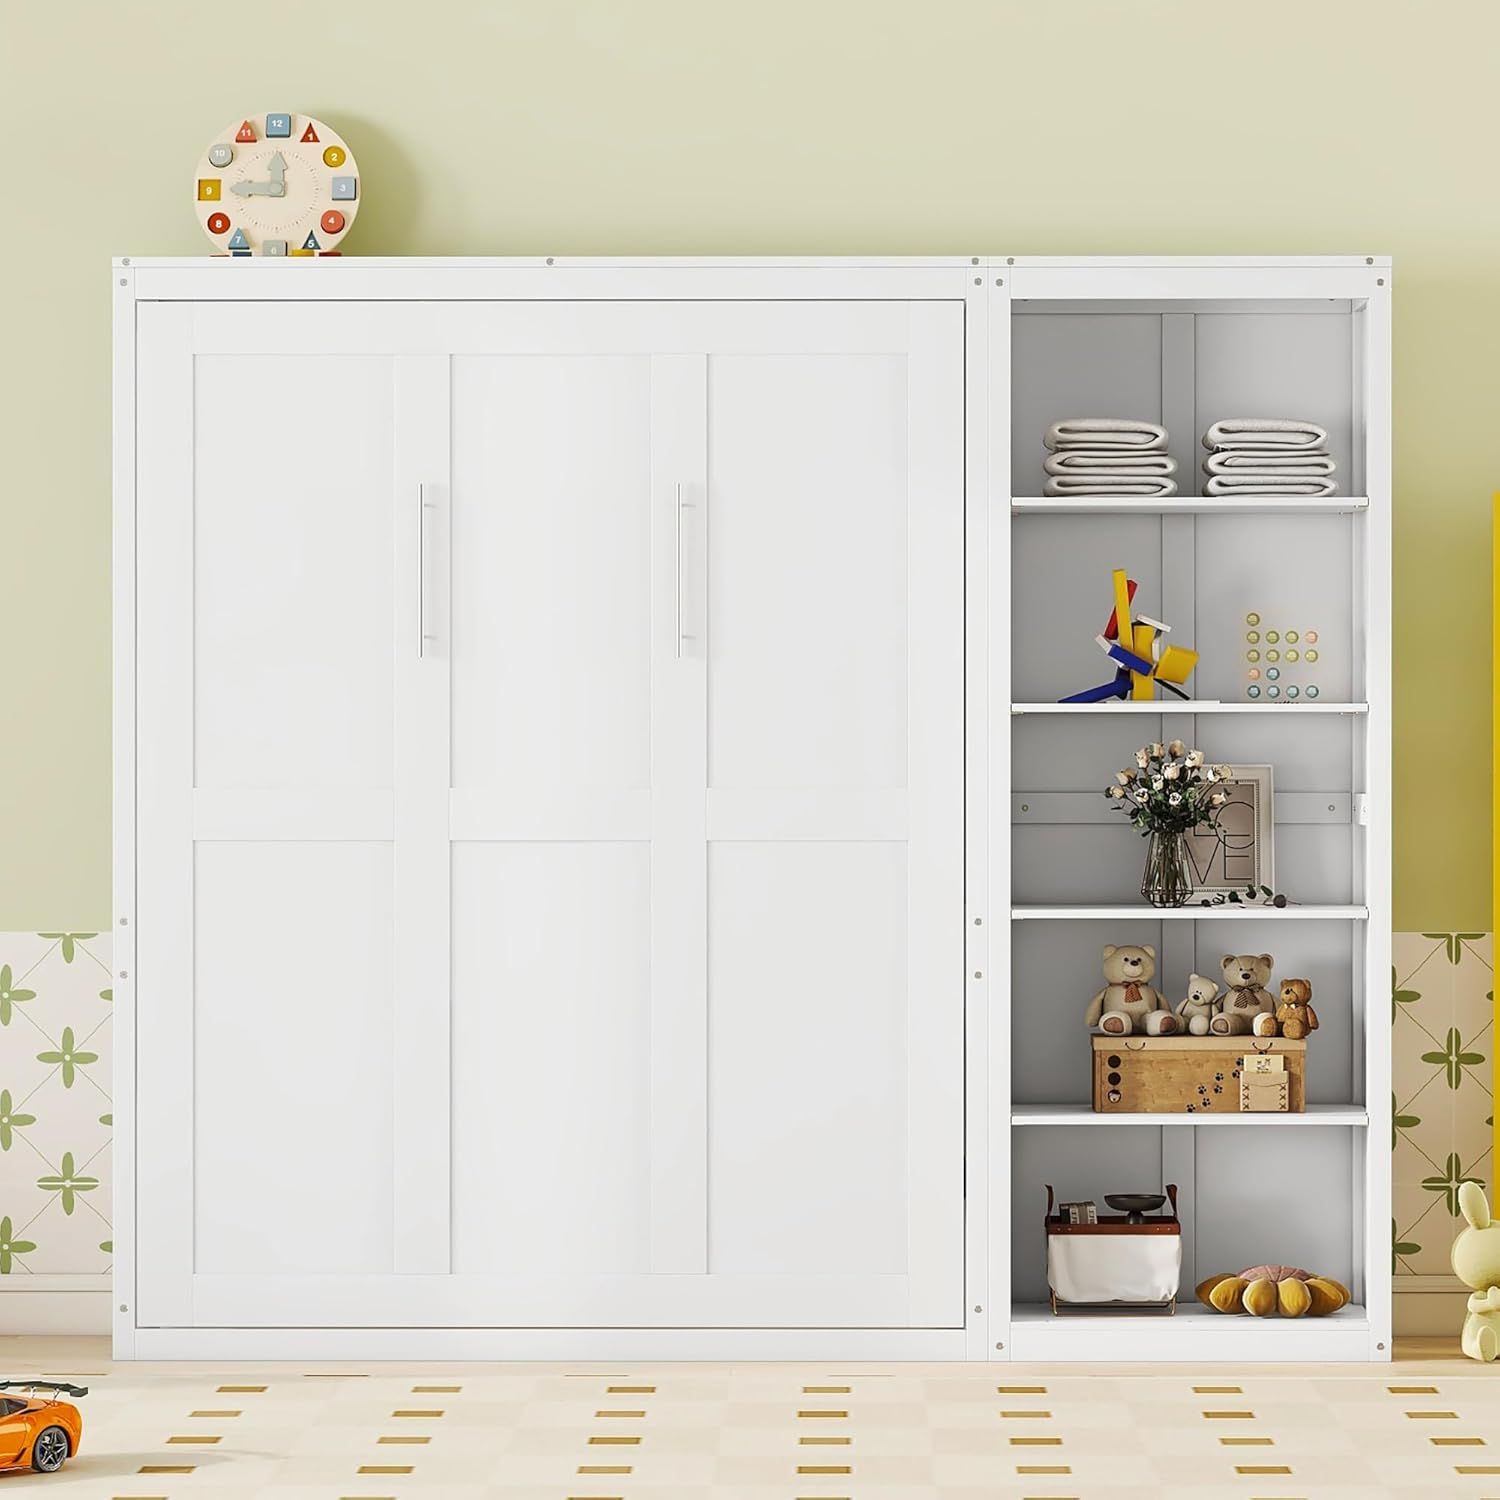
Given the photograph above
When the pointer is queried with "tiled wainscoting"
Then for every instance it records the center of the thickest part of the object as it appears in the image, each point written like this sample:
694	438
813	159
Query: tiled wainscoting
56	1003
55	1118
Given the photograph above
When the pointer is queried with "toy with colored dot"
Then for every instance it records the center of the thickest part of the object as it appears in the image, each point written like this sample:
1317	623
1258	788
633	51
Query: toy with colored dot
1273	657
277	184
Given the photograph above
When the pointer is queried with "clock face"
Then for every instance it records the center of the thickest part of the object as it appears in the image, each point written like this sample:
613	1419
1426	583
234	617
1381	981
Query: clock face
277	184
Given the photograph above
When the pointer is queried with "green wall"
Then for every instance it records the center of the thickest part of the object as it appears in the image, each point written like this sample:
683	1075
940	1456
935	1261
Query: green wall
697	126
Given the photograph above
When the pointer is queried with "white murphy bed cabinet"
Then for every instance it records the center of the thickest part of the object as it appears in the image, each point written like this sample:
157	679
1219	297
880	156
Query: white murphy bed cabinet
600	871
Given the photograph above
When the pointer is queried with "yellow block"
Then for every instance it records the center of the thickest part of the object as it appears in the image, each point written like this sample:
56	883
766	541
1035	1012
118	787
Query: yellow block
208	189
1141	685
1122	607
301	252
1176	665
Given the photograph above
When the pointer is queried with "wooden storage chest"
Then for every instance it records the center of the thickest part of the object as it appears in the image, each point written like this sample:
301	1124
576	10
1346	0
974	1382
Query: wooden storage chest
1192	1074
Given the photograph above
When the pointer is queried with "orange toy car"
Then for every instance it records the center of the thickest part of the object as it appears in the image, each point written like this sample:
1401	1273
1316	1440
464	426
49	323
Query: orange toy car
38	1431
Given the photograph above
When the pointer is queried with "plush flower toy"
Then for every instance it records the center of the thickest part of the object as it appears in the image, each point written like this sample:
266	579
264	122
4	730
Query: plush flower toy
1265	1291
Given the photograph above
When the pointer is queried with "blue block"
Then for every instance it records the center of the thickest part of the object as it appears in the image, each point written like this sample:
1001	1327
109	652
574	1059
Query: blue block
237	240
238	253
344	187
278	125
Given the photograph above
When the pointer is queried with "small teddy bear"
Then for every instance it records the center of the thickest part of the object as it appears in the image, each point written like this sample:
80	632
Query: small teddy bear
1128	1003
1294	1018
1245	994
1476	1263
1199	1008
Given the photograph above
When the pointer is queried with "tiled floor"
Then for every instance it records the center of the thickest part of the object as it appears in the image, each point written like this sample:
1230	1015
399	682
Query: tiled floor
1427	1426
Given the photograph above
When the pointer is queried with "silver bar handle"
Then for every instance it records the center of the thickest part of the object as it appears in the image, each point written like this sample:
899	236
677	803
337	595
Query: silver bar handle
682	505
423	506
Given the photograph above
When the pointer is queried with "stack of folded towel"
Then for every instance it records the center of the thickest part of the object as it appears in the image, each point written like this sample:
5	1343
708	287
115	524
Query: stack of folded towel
1108	456
1267	456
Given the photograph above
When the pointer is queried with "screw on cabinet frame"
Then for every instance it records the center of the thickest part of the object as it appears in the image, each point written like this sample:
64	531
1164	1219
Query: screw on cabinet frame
999	1346
999	281
974	260
979	281
124	921
979	973
1380	281
124	973
979	921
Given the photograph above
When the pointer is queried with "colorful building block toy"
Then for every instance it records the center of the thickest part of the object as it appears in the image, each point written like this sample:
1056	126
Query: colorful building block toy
1139	651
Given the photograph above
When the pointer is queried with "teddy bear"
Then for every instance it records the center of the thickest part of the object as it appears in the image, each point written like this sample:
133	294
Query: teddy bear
1199	1008
1476	1263
1294	1017
1128	1003
1246	976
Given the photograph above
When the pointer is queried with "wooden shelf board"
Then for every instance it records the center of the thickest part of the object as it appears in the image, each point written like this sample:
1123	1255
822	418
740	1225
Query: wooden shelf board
1187	505
1160	706
1138	911
1083	1114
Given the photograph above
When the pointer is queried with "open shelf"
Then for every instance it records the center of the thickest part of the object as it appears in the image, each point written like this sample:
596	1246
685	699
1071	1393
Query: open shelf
1139	911
1187	505
1158	706
1083	1114
1192	1332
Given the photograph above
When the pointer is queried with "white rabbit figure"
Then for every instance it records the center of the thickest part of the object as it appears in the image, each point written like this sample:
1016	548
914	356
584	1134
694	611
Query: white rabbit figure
1476	1263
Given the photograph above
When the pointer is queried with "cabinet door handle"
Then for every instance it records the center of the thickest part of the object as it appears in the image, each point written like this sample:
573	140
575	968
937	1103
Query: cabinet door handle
682	505
423	506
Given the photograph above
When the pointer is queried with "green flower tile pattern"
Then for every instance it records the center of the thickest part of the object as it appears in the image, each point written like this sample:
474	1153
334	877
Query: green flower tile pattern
1442	986
55	1106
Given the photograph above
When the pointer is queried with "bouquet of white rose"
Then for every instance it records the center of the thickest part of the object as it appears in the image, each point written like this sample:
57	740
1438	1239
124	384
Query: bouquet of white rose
1170	789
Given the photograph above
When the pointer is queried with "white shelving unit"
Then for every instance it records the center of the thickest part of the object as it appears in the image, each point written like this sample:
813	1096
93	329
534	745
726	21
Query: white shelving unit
1186	342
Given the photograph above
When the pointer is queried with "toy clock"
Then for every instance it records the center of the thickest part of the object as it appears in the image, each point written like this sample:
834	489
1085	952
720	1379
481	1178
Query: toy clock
277	185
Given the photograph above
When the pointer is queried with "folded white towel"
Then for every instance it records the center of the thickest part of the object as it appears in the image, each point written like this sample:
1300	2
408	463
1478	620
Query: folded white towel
1082	460
1267	484
1294	465
1279	434
1096	483
1107	432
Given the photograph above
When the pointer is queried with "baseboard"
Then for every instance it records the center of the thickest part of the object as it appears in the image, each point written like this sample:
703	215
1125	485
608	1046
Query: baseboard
55	1304
1429	1306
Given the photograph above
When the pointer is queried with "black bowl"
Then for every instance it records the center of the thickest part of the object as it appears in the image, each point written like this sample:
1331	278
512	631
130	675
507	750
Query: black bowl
1135	1206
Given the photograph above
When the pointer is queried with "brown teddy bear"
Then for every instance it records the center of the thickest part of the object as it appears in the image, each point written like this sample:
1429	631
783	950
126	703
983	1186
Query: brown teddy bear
1127	1003
1294	1018
1246	976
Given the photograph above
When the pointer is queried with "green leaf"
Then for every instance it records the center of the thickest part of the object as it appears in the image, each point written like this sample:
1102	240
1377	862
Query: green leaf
69	1057
1454	1058
1449	1182
69	941
10	1120
1453	942
1400	996
9	1246
1401	1122
10	995
67	1183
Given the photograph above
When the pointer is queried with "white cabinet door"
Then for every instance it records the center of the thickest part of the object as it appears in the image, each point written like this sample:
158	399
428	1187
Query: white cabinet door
550	815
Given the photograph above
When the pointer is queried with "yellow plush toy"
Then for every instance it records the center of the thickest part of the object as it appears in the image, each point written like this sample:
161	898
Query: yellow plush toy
1266	1291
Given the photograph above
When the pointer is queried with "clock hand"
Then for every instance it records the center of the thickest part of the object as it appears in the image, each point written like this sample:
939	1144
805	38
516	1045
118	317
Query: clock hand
275	187
277	167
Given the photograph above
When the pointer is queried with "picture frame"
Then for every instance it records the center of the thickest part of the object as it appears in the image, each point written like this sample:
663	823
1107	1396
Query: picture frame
1237	849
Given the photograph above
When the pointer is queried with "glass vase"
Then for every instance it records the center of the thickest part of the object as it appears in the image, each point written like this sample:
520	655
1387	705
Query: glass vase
1166	881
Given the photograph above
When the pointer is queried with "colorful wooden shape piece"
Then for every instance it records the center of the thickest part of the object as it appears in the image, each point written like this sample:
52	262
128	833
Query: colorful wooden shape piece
277	126
344	187
334	156
311	242
1112	630
332	221
1123	657
1119	688
273	247
246	133
237	240
220	155
1140	682
323	253
1123	596
309	134
299	252
218	223
208	189
1176	664
238	253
